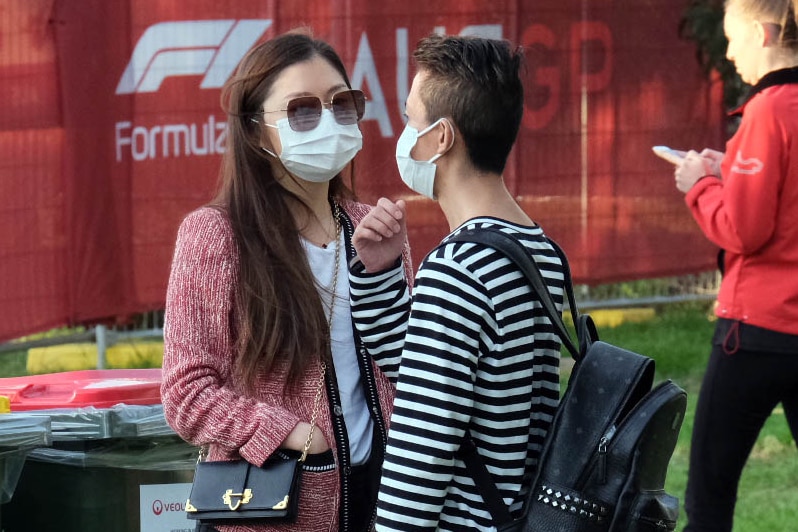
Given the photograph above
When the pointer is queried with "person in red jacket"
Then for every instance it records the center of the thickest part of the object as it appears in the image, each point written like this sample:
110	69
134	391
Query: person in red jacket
259	343
746	201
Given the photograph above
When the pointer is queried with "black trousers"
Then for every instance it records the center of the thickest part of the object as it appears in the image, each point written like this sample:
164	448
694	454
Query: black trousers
364	484
751	370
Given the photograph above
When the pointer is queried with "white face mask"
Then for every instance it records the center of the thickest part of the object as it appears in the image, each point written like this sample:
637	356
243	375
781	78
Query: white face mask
320	154
418	175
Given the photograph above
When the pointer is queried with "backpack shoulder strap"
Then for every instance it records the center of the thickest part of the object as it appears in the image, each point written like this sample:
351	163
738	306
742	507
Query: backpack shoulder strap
483	481
514	250
519	255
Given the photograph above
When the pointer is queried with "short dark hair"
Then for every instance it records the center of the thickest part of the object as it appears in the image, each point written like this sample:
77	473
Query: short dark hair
476	83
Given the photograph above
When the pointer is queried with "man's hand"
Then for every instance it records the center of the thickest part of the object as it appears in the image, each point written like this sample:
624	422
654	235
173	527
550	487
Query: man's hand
381	235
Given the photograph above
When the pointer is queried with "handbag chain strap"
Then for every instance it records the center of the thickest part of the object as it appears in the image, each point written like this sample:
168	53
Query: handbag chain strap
322	364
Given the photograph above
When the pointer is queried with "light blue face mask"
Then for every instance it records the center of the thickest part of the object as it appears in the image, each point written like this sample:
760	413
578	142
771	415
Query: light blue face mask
320	154
418	175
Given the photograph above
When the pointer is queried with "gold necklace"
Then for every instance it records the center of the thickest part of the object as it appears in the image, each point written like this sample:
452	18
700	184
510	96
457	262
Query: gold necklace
324	230
336	212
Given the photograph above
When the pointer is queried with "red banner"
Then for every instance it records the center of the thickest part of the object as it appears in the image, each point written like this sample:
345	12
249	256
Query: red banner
112	131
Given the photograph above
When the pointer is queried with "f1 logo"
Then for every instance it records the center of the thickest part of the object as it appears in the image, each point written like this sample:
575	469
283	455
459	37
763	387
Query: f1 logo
190	48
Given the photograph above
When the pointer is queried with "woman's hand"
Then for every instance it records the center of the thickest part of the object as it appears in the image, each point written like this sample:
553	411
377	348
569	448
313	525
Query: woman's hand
714	158
691	169
380	237
296	439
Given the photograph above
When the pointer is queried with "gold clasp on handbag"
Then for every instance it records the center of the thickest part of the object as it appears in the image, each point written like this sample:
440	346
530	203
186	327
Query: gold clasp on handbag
282	505
245	497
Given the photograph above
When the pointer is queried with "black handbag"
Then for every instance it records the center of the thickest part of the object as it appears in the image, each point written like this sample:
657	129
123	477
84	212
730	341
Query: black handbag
236	491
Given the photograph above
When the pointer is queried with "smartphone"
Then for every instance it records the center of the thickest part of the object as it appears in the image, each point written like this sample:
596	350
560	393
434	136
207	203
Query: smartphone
669	154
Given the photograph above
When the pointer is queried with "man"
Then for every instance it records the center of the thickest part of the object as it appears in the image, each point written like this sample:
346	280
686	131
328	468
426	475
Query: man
473	350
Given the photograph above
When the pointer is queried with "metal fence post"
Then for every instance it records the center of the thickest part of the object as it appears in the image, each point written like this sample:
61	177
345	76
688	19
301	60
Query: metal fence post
99	332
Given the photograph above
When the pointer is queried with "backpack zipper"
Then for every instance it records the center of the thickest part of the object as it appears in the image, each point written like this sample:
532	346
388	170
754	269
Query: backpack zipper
602	454
660	524
603	446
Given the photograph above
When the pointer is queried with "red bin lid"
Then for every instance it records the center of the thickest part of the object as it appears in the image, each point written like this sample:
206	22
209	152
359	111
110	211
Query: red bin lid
100	388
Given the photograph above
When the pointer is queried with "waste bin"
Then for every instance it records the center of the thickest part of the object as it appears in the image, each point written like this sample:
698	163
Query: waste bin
19	434
114	463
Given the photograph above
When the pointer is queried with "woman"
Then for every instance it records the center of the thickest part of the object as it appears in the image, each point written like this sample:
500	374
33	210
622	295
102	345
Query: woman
745	202
251	321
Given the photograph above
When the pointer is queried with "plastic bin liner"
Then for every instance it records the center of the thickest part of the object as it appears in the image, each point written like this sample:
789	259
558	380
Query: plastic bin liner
128	421
76	424
96	486
23	431
123	436
18	435
119	421
146	454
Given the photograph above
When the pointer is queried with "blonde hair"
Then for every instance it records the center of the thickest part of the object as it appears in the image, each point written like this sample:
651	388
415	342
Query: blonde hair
780	12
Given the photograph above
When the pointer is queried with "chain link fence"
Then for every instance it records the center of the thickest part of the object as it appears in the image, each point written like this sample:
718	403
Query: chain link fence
696	287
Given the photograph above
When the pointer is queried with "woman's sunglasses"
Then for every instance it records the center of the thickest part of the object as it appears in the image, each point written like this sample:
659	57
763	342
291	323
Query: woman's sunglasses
304	113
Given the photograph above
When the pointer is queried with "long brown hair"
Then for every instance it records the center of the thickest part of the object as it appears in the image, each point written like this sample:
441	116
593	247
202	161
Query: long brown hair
279	310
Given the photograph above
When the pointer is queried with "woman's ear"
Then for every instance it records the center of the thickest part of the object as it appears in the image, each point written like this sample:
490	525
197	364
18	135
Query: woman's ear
767	33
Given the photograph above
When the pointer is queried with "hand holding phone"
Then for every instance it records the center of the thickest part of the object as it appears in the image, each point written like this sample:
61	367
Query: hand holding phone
669	154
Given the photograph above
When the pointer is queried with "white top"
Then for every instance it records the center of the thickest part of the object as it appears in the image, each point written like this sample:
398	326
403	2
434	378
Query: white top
359	424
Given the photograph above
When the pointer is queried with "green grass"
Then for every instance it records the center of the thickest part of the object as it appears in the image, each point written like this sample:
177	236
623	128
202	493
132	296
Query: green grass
13	364
679	341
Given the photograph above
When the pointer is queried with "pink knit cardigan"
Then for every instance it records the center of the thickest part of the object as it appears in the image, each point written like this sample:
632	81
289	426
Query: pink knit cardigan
202	400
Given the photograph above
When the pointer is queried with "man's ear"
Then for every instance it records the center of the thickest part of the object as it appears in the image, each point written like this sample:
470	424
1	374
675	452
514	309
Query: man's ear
446	136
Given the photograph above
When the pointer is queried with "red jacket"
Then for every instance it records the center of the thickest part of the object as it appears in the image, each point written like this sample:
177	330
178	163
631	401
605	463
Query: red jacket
752	211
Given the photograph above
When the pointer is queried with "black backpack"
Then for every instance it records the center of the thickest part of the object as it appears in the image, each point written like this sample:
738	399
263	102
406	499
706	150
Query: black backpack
603	463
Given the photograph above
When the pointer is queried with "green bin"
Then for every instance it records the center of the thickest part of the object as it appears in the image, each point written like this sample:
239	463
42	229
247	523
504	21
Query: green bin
109	469
19	434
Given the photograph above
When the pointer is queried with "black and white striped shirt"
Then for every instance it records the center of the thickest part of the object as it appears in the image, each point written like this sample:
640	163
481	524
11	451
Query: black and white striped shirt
477	353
